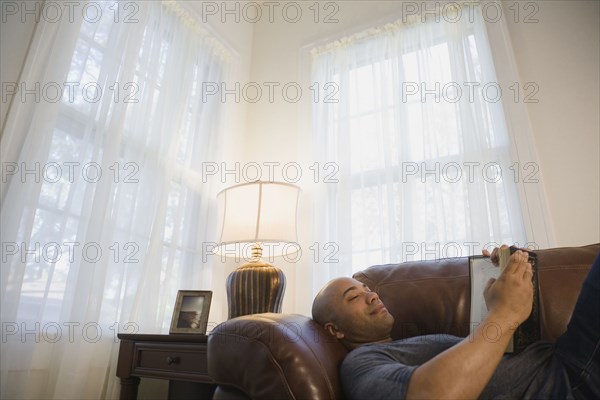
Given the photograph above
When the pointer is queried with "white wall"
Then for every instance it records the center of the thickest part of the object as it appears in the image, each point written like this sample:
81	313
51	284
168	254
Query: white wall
561	54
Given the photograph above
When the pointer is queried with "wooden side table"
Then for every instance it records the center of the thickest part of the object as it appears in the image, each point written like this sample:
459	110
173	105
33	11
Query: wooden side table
180	358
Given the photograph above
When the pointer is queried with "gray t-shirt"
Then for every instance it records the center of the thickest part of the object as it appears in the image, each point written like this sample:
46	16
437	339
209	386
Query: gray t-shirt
382	370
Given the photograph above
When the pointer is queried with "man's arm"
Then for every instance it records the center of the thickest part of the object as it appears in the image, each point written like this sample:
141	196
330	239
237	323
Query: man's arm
463	370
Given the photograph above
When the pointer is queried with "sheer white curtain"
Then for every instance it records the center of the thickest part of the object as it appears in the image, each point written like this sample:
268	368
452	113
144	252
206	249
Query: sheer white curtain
104	211
425	162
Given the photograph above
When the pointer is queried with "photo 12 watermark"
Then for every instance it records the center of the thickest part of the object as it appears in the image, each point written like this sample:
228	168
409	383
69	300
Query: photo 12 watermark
270	92
290	252
268	171
69	171
252	12
457	11
71	332
26	11
451	250
470	92
69	92
469	172
54	252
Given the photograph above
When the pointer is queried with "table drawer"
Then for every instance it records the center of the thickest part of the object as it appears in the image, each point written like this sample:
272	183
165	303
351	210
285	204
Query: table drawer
186	362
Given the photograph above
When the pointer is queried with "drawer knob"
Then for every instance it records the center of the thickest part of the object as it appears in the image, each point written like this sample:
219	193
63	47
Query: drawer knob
172	360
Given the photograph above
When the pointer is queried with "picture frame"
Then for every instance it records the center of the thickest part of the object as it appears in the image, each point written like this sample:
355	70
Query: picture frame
190	314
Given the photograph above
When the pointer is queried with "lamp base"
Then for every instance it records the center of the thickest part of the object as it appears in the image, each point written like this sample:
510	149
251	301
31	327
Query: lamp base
254	288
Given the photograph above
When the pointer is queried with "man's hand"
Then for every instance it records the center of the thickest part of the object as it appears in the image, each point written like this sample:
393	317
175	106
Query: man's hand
494	254
462	371
510	297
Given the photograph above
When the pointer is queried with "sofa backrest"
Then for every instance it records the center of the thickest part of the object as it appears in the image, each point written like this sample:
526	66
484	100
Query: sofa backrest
429	297
425	297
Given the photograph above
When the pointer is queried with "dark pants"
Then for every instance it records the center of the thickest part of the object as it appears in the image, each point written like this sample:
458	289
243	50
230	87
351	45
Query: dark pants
579	347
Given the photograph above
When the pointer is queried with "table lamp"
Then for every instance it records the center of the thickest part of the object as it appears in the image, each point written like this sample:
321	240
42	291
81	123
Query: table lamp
257	221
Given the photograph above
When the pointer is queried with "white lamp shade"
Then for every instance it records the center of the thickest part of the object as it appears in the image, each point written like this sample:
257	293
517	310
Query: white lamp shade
258	212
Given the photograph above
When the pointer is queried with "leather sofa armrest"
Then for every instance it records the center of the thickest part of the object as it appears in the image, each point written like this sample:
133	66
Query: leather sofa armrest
268	356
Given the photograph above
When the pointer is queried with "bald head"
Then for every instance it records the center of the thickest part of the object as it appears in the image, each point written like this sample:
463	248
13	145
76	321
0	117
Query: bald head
324	304
351	312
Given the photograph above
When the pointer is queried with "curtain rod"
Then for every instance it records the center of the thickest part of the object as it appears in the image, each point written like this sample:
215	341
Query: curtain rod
450	9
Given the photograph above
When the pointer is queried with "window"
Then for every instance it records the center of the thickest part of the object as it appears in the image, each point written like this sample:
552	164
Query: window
109	223
421	142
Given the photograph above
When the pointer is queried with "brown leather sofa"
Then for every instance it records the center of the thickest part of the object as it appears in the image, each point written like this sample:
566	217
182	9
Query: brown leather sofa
283	356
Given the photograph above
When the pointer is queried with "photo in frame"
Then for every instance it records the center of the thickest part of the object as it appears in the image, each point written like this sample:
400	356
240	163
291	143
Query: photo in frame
190	314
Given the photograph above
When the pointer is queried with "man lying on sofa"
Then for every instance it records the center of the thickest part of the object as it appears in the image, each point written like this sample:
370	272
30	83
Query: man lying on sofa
443	366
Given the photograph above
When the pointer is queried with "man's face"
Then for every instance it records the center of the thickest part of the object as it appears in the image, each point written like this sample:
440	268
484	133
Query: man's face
359	313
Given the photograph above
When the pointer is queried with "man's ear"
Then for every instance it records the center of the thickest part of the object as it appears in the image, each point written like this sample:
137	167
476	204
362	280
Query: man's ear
333	330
